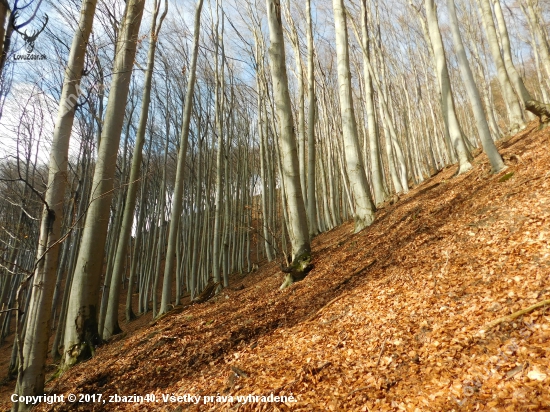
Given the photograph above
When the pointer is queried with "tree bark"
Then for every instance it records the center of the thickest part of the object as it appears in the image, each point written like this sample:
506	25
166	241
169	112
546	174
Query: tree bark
298	230
31	374
364	207
177	201
81	333
489	147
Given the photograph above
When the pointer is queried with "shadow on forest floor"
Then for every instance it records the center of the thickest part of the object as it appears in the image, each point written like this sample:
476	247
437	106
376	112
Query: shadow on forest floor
386	319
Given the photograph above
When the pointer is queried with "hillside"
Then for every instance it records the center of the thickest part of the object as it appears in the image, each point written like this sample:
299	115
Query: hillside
389	319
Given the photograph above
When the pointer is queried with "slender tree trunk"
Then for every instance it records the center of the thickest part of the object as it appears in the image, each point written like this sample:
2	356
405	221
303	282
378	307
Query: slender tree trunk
111	322
515	115
177	201
298	230
373	138
6	34
513	74
81	334
301	138
538	31
312	103
364	207
4	16
448	107
219	98
473	93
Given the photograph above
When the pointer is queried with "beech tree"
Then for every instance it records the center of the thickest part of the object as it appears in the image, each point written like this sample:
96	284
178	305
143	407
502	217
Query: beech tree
81	331
489	147
297	218
364	207
178	189
111	323
230	160
31	374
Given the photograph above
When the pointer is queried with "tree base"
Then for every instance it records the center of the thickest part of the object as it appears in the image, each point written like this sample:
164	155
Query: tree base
208	293
77	354
88	340
463	168
542	110
298	269
130	315
116	330
362	223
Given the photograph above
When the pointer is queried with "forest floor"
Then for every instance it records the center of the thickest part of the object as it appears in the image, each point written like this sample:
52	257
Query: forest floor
391	318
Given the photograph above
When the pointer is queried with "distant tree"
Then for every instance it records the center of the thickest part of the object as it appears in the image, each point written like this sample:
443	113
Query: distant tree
177	203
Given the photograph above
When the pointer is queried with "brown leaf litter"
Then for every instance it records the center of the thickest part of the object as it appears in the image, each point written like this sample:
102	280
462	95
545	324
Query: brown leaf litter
389	319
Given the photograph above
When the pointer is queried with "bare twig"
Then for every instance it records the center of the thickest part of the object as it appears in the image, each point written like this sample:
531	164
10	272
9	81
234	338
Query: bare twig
514	315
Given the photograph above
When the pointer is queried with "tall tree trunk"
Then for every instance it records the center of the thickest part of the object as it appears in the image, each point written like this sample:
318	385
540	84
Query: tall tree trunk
111	322
391	142
4	13
515	78
473	93
31	374
538	31
298	230
219	106
6	34
515	115
373	138
81	334
301	138
364	207
447	102
177	202
312	103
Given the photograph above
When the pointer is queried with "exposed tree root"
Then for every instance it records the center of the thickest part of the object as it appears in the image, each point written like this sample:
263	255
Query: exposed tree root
298	269
208	293
515	315
542	110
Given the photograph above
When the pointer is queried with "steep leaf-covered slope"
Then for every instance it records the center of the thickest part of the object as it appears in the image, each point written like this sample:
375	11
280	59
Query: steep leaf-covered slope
390	318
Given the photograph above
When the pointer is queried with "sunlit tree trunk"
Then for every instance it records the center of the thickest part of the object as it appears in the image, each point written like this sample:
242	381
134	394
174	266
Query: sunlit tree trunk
311	194
473	93
4	12
515	78
515	115
442	71
219	104
300	105
538	30
373	138
297	218
31	374
111	322
81	333
177	201
364	207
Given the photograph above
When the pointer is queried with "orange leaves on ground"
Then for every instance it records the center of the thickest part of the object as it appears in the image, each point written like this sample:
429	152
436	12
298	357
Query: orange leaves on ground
387	320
